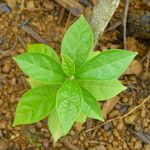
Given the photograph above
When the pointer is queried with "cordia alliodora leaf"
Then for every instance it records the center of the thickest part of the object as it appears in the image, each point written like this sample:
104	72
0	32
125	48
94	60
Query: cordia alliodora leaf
55	125
68	107
90	106
68	66
107	65
81	118
41	67
77	42
102	90
35	83
67	100
93	54
43	49
35	105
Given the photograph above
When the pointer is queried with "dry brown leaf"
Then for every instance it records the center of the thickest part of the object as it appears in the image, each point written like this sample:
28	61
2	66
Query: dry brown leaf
109	105
134	68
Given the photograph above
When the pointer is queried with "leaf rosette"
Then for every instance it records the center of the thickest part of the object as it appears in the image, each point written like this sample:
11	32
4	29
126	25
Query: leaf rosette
70	90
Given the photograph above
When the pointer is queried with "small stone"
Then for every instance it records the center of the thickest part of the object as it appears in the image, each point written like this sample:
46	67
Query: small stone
134	68
46	143
81	138
13	98
100	147
108	126
4	144
124	109
130	119
120	125
49	5
30	5
13	81
78	126
147	147
2	124
7	67
1	101
72	132
138	145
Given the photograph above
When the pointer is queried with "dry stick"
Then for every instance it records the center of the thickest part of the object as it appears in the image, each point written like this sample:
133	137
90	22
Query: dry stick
73	6
101	15
34	34
121	117
125	23
68	144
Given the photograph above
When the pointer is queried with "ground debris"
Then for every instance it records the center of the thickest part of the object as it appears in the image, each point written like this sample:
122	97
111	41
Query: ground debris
73	6
144	137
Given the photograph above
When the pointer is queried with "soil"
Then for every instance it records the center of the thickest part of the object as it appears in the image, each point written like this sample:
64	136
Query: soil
28	21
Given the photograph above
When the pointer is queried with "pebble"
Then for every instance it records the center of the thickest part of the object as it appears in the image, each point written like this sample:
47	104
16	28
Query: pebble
2	124
120	125
100	147
49	5
78	126
13	98
7	67
4	144
138	145
1	101
147	147
30	5
72	132
130	119
134	68
46	143
108	126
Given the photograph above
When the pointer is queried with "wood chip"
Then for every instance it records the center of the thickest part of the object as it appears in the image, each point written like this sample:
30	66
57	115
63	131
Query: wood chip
34	34
68	144
134	68
73	6
109	105
144	137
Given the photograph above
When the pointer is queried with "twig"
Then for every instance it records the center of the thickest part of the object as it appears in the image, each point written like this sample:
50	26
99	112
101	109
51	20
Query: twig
67	22
73	6
120	117
34	34
89	124
21	41
148	61
101	15
125	23
68	144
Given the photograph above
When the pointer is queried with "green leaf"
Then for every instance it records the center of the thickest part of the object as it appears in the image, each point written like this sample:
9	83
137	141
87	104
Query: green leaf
81	118
43	49
68	104
93	54
90	106
103	90
68	66
106	66
35	83
41	67
35	105
78	41
54	124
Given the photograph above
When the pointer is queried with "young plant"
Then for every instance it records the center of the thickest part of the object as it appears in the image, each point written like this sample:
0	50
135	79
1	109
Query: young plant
68	91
